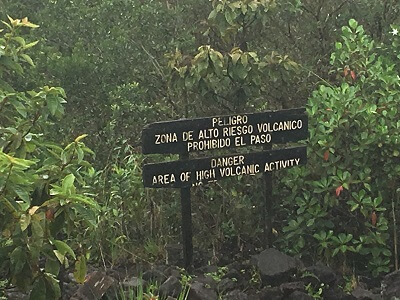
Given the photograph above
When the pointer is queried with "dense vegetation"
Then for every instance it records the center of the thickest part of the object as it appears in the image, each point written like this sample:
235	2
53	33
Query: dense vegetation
125	63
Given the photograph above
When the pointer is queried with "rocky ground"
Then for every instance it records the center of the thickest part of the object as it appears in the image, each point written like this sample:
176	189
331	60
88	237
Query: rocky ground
267	275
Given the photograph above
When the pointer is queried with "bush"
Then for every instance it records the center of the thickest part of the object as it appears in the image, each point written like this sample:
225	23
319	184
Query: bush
42	185
343	199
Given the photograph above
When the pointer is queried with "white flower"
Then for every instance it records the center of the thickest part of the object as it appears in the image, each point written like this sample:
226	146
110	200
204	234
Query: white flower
45	176
395	31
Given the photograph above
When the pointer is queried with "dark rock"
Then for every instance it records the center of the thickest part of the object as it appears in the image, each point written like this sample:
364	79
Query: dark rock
274	266
226	285
235	295
154	275
119	273
233	273
134	282
171	287
172	271
15	294
336	293
237	277
207	269
391	285
299	263
369	283
290	287
376	290
207	280
69	289
270	293
234	266
362	294
199	292
297	295
95	286
323	273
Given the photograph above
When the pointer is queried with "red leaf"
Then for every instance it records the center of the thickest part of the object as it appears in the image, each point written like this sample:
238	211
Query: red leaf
326	155
339	189
374	218
353	75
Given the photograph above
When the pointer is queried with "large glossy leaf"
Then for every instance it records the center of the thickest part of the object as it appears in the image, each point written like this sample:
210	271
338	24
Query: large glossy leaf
39	289
80	269
63	248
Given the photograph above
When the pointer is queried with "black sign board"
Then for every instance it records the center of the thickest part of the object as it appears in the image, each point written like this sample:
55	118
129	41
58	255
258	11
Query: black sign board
185	173
223	132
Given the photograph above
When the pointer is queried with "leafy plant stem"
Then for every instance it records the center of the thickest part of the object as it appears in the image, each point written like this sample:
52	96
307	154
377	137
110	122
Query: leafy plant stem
7	204
5	184
35	119
63	166
3	104
396	259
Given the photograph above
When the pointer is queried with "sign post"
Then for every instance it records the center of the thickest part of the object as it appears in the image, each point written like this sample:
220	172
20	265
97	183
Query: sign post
268	206
220	133
186	212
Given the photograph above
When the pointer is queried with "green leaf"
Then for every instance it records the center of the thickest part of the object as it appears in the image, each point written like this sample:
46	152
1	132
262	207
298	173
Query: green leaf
59	256
24	221
212	14
230	16
80	269
39	289
8	25
22	194
18	259
52	104
353	24
85	200
68	182
20	40
19	107
244	60
37	229
52	287
11	64
63	248
30	45
28	59
79	138
235	57
52	266
310	222
240	71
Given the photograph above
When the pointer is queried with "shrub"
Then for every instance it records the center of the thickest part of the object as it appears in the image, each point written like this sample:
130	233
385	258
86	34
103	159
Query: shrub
343	199
42	185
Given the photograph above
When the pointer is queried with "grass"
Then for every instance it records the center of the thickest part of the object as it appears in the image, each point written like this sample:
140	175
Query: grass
149	292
